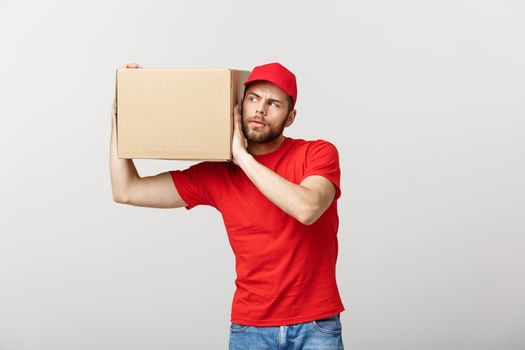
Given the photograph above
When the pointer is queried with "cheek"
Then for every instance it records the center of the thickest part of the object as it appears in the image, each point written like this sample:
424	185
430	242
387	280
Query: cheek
276	118
247	109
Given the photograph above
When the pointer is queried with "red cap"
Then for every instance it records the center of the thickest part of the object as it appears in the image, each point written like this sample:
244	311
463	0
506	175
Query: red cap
276	74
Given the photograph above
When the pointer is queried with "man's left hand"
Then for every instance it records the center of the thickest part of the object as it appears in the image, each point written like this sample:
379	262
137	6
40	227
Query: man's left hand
239	142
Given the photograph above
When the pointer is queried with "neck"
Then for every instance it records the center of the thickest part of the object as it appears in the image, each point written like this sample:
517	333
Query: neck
263	148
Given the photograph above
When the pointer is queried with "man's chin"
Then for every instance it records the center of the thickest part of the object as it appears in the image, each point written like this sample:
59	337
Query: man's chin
256	139
261	138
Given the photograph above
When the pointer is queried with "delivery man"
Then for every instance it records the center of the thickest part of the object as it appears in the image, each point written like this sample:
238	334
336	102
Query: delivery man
278	198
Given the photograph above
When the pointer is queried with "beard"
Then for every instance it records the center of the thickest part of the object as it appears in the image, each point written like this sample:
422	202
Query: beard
261	135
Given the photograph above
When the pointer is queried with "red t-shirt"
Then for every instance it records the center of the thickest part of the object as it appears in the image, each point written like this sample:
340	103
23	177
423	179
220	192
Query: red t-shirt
285	269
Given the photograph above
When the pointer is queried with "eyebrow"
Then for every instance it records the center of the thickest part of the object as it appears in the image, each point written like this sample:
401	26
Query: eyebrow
270	99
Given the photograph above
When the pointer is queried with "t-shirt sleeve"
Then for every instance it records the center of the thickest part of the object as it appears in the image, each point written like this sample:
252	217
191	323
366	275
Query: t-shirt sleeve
194	184
322	158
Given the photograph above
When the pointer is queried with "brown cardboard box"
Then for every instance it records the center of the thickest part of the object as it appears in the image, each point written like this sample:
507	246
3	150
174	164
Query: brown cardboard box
177	113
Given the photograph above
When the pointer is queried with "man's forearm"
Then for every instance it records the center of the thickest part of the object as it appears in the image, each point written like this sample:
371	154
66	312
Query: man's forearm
296	200
123	171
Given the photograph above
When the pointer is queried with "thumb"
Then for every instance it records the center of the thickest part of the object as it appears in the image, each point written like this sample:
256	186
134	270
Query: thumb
237	114
237	111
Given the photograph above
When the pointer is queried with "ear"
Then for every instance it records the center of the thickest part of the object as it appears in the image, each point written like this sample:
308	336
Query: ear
290	118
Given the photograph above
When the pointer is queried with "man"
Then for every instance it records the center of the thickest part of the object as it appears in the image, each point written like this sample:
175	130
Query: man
278	198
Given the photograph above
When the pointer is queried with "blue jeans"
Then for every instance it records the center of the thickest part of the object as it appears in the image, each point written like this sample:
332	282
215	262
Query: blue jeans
320	334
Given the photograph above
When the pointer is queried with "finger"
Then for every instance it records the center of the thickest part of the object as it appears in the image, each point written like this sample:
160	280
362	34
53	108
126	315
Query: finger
236	114
236	124
133	65
236	111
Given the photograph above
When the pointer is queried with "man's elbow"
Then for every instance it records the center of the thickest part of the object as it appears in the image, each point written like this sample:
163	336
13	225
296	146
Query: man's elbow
314	208
309	216
307	221
119	198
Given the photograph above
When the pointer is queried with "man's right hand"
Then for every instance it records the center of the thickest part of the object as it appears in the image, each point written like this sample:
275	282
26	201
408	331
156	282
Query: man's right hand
114	113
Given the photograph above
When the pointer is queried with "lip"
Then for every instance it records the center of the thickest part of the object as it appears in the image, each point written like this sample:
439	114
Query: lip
256	123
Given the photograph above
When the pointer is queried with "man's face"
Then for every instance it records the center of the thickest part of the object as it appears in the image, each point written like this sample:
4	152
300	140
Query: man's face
264	112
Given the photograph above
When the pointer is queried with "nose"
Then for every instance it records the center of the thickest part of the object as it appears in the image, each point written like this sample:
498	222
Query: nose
261	108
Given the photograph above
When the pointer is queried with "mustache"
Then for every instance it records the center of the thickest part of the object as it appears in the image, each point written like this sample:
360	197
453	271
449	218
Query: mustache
254	119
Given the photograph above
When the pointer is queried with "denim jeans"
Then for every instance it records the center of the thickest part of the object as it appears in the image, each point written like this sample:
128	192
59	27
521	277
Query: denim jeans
323	334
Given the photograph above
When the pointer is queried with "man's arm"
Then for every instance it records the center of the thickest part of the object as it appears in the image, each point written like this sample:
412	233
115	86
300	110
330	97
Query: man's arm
129	188
305	202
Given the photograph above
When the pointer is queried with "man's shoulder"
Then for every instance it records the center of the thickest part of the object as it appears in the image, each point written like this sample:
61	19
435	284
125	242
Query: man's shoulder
312	144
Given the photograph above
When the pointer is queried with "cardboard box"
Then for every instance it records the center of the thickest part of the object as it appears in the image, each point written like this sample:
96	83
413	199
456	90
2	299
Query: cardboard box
182	114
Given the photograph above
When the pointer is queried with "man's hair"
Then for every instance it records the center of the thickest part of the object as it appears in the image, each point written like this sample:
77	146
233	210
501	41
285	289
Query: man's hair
290	100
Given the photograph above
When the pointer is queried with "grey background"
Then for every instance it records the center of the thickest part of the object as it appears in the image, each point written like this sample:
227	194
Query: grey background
424	100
